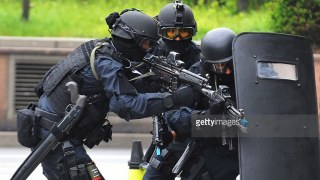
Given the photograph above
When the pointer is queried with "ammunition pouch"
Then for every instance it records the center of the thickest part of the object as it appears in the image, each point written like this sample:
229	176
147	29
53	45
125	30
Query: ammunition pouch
27	126
75	168
70	168
98	134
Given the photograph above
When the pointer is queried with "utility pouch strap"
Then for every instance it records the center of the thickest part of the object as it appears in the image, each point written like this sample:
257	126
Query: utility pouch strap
93	56
69	153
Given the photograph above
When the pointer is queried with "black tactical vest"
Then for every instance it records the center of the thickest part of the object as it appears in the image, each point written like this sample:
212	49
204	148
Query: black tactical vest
56	78
53	83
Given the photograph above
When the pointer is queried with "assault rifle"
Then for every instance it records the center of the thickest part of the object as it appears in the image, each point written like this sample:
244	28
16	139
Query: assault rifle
169	70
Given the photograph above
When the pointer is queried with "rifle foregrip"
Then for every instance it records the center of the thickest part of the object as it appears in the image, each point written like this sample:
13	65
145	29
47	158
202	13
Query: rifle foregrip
191	79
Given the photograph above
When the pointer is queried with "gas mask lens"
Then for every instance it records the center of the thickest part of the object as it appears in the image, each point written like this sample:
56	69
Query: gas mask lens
173	33
143	42
146	43
221	68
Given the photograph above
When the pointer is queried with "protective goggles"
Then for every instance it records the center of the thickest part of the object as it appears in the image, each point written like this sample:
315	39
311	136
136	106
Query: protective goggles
172	33
143	42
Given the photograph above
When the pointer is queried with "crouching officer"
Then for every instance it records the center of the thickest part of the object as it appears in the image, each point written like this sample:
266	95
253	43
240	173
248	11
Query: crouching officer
101	68
211	159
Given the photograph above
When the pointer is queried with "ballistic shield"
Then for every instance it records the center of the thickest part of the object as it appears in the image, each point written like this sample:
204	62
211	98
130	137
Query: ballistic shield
275	85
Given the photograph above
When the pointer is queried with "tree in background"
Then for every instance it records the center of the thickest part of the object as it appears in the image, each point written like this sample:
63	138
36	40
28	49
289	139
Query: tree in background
240	5
243	5
203	2
300	17
25	9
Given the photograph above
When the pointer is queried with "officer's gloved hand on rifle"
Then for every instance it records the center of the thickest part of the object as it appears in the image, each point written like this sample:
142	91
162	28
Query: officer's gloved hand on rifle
183	96
167	137
178	121
150	84
219	105
216	105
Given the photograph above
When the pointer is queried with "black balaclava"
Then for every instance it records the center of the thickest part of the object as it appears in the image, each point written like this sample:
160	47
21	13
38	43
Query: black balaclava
128	48
177	46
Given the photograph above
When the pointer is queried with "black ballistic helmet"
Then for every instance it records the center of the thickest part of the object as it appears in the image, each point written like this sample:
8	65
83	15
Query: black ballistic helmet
216	50
141	23
216	45
133	24
176	14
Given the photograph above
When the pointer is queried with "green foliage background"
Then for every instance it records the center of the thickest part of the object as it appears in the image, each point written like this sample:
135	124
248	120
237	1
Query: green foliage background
85	18
301	17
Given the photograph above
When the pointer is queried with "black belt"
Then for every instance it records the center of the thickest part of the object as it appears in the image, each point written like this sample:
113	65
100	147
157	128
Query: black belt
47	119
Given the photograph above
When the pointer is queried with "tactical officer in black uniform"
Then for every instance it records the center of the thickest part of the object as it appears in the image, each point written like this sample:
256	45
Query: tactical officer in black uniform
176	26
105	82
220	162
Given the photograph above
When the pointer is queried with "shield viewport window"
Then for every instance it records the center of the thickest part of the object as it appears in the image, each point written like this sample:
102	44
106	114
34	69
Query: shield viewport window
270	70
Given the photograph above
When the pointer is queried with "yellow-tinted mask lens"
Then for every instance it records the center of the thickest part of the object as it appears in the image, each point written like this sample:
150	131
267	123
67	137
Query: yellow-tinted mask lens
185	33
172	33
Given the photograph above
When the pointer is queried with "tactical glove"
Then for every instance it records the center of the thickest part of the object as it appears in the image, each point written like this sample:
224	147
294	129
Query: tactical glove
150	84
183	96
179	121
216	105
167	138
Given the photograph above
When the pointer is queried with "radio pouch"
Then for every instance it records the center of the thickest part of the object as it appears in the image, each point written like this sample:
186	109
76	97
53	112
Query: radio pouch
27	126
